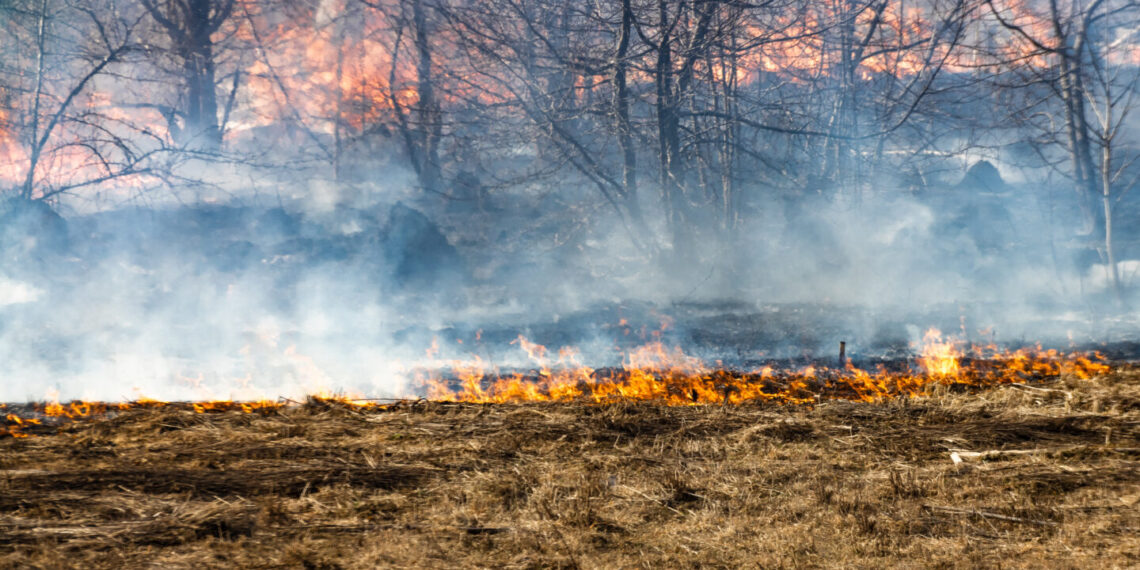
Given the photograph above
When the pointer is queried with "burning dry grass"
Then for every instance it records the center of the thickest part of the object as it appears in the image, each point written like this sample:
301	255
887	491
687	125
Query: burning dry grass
437	484
655	373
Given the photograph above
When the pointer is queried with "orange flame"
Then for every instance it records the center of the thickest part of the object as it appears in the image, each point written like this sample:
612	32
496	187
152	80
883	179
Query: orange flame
656	373
653	373
939	357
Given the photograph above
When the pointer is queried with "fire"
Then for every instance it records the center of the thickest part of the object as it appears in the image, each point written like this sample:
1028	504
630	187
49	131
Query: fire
230	405
939	357
653	372
54	413
16	425
657	373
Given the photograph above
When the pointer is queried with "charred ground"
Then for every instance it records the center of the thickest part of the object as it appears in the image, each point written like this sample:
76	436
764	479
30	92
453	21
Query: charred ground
419	484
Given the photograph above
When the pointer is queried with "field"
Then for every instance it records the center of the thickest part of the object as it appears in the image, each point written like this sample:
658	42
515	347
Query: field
444	485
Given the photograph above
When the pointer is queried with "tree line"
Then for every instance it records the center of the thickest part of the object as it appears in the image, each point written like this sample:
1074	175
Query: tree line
685	113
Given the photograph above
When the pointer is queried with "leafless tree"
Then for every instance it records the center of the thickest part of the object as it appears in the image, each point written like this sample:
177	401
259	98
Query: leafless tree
190	26
1066	51
63	111
420	126
549	65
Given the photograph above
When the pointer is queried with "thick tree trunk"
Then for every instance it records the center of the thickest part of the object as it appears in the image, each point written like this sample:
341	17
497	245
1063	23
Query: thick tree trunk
191	25
198	65
202	130
622	116
428	110
669	151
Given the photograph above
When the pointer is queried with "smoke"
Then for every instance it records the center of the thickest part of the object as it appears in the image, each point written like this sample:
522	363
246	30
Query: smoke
16	293
355	292
196	303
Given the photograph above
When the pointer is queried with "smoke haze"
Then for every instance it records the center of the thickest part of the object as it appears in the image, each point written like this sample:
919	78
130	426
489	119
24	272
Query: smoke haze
247	302
334	198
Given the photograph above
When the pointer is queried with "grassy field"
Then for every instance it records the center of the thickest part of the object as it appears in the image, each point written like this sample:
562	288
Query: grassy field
445	485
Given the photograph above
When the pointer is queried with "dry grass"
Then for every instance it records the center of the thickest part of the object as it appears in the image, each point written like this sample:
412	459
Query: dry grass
563	485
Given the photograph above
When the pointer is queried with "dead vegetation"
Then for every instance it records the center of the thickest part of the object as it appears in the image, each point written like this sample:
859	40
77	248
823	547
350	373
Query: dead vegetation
1042	476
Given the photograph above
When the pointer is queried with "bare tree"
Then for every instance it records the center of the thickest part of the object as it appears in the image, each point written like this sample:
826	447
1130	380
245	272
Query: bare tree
421	126
1067	49
71	136
190	26
523	58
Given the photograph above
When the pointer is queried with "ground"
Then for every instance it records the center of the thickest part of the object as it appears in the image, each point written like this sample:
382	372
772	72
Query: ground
445	485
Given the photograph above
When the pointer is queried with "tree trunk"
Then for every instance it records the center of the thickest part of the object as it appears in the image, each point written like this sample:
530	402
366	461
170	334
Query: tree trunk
1076	131
621	112
1106	202
428	111
668	137
190	24
198	66
671	88
34	156
202	127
